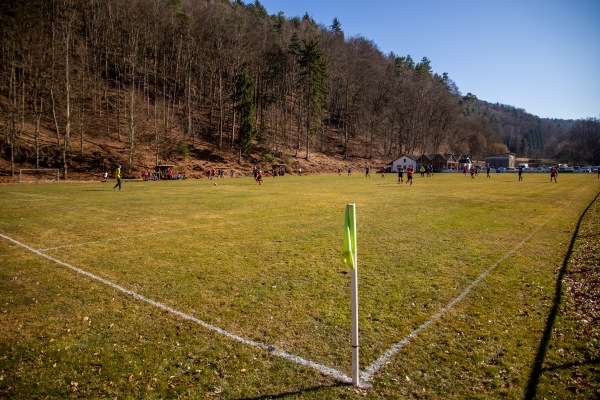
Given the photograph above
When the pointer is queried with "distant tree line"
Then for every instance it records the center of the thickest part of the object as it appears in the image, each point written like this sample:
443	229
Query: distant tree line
576	142
580	145
158	76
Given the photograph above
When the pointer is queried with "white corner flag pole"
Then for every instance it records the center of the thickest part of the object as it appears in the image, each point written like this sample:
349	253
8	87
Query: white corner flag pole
351	259
354	295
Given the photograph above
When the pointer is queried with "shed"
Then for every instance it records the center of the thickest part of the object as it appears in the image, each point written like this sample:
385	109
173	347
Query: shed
506	160
278	169
163	167
444	161
404	161
424	161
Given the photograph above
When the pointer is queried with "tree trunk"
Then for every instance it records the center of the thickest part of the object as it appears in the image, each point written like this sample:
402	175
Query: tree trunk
221	110
308	117
12	149
232	128
52	69
156	131
54	117
22	102
81	109
131	120
188	101
68	100
118	107
38	117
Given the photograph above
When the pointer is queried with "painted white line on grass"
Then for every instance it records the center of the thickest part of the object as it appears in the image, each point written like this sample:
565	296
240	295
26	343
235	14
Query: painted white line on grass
68	246
37	196
385	357
334	373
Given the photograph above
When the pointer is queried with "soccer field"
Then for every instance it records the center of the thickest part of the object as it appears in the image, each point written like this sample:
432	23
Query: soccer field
234	290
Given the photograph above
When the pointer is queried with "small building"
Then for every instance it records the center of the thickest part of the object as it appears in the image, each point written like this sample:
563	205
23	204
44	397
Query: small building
424	161
163	167
162	170
464	162
506	160
278	169
404	161
443	162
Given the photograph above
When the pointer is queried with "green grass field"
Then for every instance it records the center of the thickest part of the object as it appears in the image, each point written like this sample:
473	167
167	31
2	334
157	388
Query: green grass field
264	263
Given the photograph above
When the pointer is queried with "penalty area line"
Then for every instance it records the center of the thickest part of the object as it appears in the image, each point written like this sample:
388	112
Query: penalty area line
332	372
372	369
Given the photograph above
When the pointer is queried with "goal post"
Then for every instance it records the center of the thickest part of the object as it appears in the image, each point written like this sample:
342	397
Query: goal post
38	175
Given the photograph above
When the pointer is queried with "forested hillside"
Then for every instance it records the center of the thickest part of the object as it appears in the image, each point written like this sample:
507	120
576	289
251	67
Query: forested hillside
87	83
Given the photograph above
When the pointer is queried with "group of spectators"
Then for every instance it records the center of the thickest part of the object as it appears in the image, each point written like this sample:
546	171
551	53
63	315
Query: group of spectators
165	174
220	173
281	171
258	173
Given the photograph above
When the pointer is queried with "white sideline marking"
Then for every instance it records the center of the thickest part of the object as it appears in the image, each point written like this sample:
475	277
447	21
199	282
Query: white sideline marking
38	196
334	373
368	373
68	246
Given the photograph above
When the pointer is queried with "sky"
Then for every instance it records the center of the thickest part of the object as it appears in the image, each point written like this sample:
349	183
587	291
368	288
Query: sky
539	55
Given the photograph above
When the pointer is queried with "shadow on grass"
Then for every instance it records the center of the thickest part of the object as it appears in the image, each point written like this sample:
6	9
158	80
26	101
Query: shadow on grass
573	364
295	393
534	377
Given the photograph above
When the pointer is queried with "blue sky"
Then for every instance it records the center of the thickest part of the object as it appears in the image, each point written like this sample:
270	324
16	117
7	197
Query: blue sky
539	55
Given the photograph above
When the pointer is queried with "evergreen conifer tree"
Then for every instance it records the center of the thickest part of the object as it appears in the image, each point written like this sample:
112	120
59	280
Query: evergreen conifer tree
244	93
313	72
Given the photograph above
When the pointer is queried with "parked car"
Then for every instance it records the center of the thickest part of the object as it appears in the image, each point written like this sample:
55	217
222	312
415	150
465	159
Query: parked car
564	168
539	169
586	170
500	170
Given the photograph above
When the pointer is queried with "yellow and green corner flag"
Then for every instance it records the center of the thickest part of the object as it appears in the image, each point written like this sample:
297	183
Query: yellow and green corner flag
350	236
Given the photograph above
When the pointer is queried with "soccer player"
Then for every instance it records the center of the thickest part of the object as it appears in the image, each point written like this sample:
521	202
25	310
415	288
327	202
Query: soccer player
409	175
553	173
118	176
520	174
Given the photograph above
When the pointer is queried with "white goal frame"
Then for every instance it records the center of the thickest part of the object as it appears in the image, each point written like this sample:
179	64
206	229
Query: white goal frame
39	175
